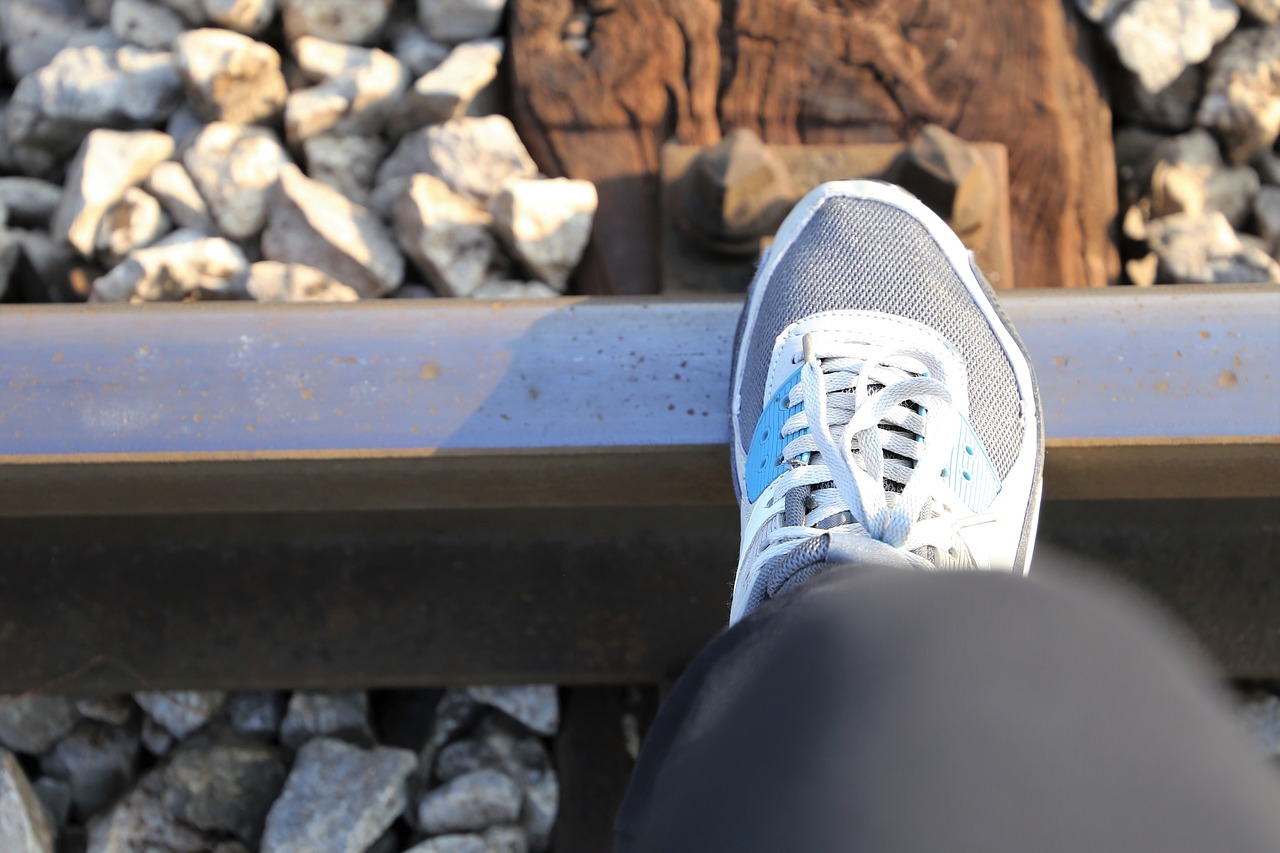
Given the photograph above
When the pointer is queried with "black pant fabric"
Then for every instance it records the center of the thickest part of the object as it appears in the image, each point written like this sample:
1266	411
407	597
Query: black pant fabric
881	710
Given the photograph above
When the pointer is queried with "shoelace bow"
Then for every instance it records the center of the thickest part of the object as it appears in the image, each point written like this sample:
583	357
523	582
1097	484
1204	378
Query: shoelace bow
848	424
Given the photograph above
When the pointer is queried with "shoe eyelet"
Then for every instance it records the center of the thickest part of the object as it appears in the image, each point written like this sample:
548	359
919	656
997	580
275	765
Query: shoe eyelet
966	475
968	450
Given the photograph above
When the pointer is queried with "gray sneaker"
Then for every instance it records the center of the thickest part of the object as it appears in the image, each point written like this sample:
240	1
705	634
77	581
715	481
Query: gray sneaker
883	409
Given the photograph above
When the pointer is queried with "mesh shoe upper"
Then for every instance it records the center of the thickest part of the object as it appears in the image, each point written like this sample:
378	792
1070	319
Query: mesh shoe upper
897	267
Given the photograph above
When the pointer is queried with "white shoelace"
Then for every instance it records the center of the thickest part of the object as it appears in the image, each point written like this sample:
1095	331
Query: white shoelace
846	422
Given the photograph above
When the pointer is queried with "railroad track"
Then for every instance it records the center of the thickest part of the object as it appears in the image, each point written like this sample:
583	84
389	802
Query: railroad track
406	493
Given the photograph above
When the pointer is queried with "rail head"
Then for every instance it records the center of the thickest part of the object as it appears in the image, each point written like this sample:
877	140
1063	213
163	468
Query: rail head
1158	392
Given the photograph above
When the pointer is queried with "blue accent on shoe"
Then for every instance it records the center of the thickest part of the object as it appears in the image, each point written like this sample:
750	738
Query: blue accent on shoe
764	458
969	471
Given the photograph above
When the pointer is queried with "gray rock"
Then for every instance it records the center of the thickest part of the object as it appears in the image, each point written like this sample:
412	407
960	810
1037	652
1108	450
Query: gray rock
417	51
225	786
10	254
8	162
99	10
460	20
1242	93
456	843
272	281
95	37
237	847
183	125
1176	188
134	222
508	289
453	89
1231	191
235	167
1266	217
537	706
414	291
192	11
538	813
256	713
185	265
546	224
108	163
139	822
338	798
360	89
1266	11
145	23
474	156
84	88
506	839
55	796
183	711
32	722
171	184
348	21
313	224
1206	250
50	266
313	111
388	843
230	77
112	710
1196	148
249	17
156	738
1268	165
36	162
1158	39
343	715
496	745
30	201
97	761
1261	716
467	756
1196	151
1171	108
445	235
455	712
33	31
386	193
346	163
473	801
24	825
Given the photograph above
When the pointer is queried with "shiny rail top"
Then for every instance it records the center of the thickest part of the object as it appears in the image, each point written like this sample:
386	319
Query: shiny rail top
1153	392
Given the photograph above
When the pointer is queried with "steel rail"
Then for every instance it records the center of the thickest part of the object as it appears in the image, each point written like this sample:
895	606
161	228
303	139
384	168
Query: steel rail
230	407
584	595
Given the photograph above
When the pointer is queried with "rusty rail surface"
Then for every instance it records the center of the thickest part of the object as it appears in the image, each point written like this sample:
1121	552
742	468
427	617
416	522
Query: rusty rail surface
1165	392
253	496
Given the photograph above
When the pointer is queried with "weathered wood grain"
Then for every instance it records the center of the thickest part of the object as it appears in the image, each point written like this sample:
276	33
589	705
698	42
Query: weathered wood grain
652	71
1019	72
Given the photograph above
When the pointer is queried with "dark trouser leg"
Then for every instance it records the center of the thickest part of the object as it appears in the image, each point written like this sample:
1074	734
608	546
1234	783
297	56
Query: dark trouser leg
889	710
